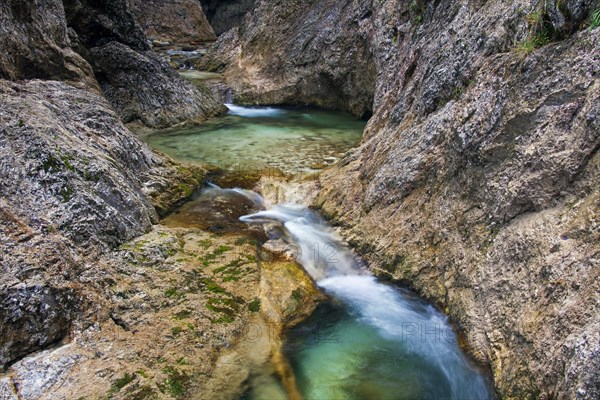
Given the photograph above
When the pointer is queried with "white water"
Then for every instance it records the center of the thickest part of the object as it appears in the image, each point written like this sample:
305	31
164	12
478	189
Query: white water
319	250
251	112
409	327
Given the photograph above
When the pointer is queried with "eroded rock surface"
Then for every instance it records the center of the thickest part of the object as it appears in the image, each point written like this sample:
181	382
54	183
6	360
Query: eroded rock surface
322	58
173	21
226	14
144	88
74	182
34	44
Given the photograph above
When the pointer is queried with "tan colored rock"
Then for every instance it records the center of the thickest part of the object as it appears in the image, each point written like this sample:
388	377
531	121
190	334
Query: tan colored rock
185	314
489	207
173	21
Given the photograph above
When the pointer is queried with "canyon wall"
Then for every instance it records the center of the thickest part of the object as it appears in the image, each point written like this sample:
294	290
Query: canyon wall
174	21
99	45
34	44
74	181
226	14
476	182
141	86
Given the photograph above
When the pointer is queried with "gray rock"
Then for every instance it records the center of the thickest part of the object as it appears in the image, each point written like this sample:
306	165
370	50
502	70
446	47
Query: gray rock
34	44
37	375
226	14
323	60
175	21
74	183
142	87
100	22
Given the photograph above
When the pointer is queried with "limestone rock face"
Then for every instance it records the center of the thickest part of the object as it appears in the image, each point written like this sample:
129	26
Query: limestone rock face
74	182
140	86
174	21
223	53
476	182
322	58
34	44
45	40
100	22
226	14
145	88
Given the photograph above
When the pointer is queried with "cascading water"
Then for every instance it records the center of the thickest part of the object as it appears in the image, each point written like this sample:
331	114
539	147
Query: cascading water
372	340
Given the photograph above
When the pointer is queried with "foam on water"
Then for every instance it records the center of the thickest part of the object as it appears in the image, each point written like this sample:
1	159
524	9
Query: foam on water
318	249
254	112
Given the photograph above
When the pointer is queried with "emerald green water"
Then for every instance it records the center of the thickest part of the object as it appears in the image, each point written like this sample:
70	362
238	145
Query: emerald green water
370	340
289	139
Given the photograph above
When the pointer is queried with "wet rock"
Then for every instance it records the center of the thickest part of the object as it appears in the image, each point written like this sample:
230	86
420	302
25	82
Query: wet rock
185	296
175	21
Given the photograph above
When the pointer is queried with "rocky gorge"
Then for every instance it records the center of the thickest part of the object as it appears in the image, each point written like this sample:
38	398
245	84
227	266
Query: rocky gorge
476	180
475	184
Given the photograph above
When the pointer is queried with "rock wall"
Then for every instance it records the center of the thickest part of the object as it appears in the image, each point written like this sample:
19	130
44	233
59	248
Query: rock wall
34	44
322	59
173	21
476	182
100	22
98	45
74	182
142	87
226	14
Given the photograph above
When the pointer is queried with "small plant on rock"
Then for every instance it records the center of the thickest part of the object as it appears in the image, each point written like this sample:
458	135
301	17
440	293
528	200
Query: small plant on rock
595	19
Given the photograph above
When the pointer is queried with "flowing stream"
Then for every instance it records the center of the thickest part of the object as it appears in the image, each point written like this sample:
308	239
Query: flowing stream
370	339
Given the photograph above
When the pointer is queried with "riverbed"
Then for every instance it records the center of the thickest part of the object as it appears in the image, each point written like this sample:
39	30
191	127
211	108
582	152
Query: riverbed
369	339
